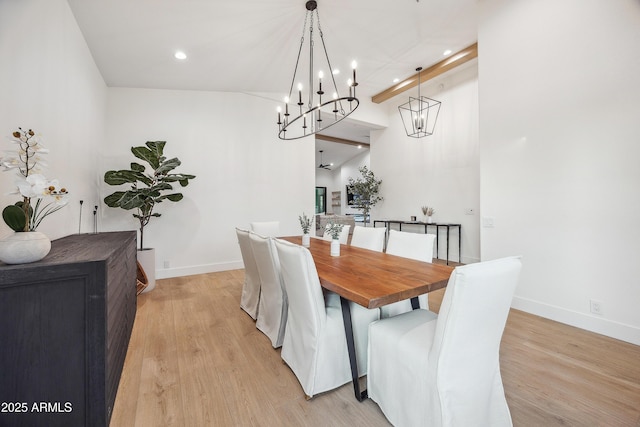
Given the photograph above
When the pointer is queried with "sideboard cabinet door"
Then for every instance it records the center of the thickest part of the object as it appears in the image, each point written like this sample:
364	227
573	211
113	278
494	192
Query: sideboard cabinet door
65	324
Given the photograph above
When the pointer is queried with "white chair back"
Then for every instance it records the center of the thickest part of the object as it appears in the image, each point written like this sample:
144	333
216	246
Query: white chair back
314	345
266	228
371	238
444	370
411	245
408	245
344	234
272	308
251	288
473	315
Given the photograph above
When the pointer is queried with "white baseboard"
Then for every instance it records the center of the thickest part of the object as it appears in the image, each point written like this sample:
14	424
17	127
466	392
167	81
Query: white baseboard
588	322
198	269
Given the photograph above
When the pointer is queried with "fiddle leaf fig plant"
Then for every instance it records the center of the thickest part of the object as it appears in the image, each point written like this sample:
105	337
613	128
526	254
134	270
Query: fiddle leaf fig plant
149	185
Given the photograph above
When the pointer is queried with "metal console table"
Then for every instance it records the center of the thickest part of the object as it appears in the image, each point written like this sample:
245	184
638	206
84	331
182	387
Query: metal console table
387	223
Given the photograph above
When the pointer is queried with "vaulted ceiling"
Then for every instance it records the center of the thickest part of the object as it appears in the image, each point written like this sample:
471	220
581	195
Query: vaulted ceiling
251	46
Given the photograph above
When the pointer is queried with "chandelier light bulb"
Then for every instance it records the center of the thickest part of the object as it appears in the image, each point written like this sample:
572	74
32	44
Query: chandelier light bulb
320	91
354	65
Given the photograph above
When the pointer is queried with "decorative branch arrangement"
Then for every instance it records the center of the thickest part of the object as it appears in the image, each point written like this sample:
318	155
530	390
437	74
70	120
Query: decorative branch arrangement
365	191
426	210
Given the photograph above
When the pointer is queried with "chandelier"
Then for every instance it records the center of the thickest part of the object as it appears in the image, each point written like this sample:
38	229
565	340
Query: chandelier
312	112
419	115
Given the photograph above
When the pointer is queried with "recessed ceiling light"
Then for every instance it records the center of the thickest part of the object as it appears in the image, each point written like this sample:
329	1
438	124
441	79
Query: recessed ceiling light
396	80
447	52
335	71
180	55
359	147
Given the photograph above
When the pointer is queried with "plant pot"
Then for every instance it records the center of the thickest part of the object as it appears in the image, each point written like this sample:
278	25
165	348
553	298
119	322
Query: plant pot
147	260
429	220
335	247
306	240
24	246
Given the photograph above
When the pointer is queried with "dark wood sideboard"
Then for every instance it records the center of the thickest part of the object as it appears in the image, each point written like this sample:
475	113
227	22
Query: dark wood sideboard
65	324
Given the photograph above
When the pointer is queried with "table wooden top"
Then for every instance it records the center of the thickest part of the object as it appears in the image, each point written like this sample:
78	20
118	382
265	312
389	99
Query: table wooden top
373	279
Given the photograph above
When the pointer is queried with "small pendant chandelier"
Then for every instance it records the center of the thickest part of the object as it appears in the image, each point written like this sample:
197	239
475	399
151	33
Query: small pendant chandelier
317	113
419	115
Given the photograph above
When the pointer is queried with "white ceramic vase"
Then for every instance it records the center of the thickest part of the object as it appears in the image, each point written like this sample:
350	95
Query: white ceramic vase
335	247
24	246
147	260
429	220
306	240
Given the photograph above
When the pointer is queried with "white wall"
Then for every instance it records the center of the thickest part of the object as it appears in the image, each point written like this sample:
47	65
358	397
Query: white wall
441	170
559	114
244	173
49	82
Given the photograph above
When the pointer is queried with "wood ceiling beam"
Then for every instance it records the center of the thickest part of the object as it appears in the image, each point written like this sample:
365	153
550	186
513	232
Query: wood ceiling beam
455	60
340	140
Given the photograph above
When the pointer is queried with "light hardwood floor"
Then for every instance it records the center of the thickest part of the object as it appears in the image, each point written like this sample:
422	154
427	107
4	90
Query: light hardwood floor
196	359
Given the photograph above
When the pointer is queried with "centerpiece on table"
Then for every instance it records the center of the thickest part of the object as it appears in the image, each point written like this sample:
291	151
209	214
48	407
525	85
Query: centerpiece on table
40	198
305	224
334	231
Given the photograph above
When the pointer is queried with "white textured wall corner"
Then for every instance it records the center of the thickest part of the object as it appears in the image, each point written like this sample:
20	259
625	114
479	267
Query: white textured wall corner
558	156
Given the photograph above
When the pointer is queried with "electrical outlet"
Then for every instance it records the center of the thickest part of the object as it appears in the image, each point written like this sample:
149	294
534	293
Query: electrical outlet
469	211
487	222
596	307
167	264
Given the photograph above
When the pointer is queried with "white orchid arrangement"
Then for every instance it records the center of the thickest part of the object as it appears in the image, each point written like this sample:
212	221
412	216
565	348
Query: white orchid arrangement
334	230
31	184
305	223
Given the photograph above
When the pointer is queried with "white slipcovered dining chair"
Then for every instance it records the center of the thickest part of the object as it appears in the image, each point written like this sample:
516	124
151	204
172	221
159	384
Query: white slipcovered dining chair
251	287
344	234
272	308
266	228
371	238
315	346
444	370
408	245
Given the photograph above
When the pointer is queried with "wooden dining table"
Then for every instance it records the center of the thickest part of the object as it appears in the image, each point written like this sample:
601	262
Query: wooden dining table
371	279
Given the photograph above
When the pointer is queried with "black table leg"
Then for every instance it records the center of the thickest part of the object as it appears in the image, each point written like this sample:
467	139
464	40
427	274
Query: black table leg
348	330
459	245
447	245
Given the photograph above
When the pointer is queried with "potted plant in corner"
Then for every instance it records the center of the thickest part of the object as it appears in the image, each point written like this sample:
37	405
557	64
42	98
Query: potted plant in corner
365	191
150	185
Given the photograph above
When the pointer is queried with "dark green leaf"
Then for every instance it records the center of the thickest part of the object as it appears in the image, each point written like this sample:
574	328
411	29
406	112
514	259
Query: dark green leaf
137	167
176	197
14	217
